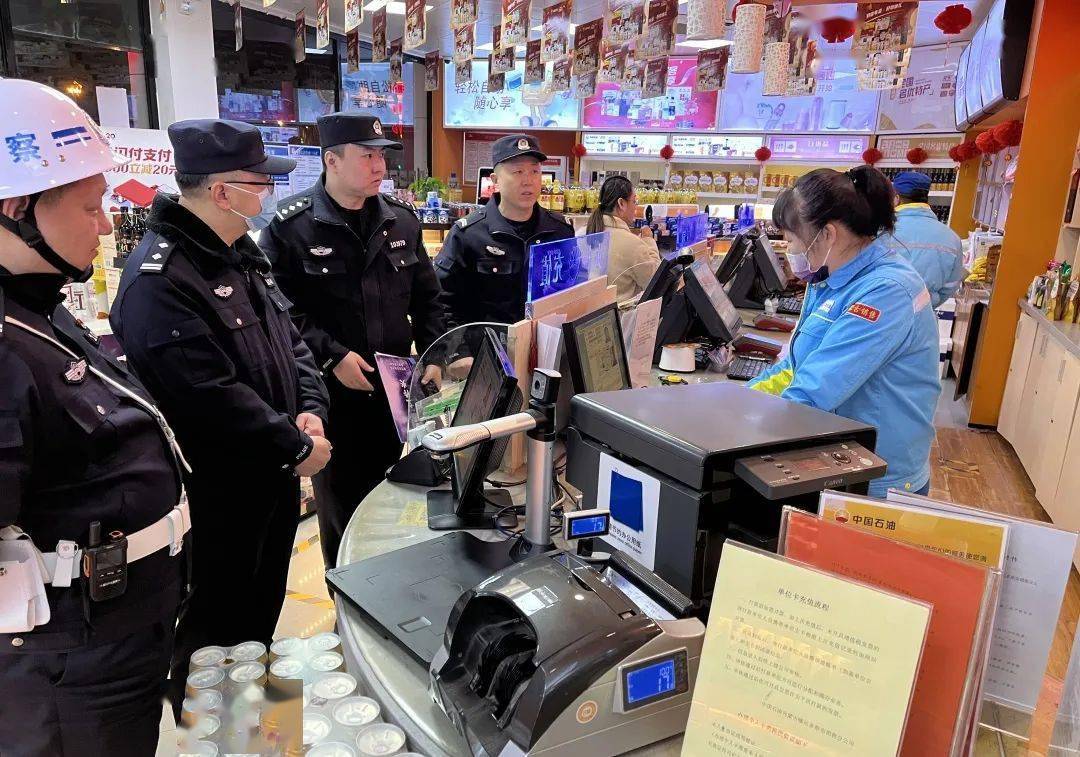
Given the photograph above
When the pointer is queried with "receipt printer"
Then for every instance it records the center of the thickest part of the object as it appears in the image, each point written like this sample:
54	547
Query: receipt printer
556	656
683	468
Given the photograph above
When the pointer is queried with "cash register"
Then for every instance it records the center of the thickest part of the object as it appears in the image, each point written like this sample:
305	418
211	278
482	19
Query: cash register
752	273
683	468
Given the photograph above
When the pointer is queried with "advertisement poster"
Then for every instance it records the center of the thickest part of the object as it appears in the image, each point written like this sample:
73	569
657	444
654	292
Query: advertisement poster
836	106
884	71
626	19
822	148
371	91
379	51
395	373
535	71
560	75
515	22
502	58
469	105
924	100
300	38
352	51
395	61
555	35
705	145
432	67
308	168
937	147
464	44
659	36
587	47
585	86
415	25
656	76
462	74
463	13
496	80
627	107
803	52
354	14
712	69
613	64
322	24
270	105
884	27
628	144
799	661
238	26
150	168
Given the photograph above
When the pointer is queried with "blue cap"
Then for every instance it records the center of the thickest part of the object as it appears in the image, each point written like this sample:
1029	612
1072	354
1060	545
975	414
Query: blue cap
911	181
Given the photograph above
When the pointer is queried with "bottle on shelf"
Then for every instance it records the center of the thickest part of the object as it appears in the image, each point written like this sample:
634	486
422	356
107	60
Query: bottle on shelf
545	194
453	194
558	199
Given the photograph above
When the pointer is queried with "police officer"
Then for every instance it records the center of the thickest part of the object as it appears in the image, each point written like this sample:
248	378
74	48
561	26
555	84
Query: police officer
80	443
866	346
207	329
484	264
353	262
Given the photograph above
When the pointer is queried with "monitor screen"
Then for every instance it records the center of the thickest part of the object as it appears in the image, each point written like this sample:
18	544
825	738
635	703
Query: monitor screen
990	66
775	280
718	302
976	60
664	281
596	352
733	259
959	101
650	682
483	398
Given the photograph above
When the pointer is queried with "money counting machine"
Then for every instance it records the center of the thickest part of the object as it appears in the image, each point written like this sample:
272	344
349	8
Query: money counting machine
683	468
552	656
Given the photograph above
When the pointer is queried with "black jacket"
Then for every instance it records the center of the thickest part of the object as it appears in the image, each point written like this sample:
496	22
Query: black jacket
207	330
484	267
352	293
74	450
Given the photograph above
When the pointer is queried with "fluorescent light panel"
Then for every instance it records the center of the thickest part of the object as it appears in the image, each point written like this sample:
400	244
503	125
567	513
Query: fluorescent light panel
393	8
703	44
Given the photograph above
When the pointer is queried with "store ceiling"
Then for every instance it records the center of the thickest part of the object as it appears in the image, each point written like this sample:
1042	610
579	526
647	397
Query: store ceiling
440	35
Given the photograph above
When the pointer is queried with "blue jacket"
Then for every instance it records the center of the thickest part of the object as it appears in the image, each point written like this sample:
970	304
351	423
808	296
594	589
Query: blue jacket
866	348
932	248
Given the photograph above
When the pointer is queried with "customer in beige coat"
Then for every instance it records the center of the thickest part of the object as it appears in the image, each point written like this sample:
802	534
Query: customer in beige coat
633	257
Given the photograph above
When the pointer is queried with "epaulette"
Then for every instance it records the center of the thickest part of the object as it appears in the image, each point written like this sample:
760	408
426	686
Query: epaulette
477	215
394	200
293	207
158	254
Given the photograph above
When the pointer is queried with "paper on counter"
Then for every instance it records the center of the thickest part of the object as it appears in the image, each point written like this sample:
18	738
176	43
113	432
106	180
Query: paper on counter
549	341
639	334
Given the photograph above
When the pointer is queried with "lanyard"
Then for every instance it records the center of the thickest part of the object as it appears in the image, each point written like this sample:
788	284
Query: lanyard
156	414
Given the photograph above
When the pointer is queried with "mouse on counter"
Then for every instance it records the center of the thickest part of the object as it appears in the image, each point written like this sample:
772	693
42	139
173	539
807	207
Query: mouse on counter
767	322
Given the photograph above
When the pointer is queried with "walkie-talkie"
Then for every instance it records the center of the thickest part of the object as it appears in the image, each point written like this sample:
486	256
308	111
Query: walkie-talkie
105	564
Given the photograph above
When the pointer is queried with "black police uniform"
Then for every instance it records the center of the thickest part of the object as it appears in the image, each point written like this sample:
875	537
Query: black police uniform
362	283
207	329
483	267
73	450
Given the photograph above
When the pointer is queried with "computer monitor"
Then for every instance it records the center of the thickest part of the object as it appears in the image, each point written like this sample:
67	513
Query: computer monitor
485	184
773	277
734	259
712	307
760	275
490	392
665	281
596	353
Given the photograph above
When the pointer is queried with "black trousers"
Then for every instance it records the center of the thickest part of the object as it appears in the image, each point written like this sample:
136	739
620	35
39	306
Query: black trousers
361	429
103	699
242	539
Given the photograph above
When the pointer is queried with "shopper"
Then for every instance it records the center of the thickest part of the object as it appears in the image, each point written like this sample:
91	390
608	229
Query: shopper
484	263
80	442
207	329
932	248
632	256
353	263
866	346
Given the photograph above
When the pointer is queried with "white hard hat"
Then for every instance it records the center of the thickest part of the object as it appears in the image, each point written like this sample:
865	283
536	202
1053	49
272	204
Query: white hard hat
46	140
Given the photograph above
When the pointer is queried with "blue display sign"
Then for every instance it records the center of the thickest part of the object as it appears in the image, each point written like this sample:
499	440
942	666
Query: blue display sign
556	266
690	230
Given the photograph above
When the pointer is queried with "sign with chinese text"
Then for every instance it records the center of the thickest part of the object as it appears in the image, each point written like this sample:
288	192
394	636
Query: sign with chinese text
471	104
626	19
555	35
659	38
308	168
689	230
624	106
535	71
502	57
379	46
354	14
708	146
370	90
924	100
515	22
623	144
633	498
415	25
150	168
937	147
587	47
322	24
556	266
821	148
711	69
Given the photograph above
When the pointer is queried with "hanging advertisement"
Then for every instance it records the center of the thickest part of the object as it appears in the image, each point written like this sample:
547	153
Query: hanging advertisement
299	38
515	22
802	52
463	13
656	76
379	46
415	25
432	68
711	69
354	14
496	80
884	27
535	71
150	168
585	86
560	75
395	61
613	64
587	47
502	58
462	74
633	78
352	51
659	38
924	100
626	20
371	91
836	106
464	44
626	107
556	32
322	24
238	26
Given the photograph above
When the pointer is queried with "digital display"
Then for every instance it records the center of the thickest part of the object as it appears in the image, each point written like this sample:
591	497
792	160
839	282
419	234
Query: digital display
479	400
582	527
601	353
650	682
811	463
719	299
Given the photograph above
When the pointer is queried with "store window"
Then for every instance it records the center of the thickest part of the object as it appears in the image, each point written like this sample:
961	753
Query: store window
79	47
370	91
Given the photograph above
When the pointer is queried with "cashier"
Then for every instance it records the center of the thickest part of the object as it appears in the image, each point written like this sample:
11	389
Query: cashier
866	345
633	256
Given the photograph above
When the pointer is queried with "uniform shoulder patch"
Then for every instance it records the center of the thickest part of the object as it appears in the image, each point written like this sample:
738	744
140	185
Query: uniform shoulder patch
157	255
393	200
866	312
293	207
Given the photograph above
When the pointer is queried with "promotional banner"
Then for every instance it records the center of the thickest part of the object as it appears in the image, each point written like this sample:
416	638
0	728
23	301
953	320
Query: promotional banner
656	76
502	58
556	266
587	47
659	38
625	106
515	22
150	168
464	44
395	373
556	32
535	71
322	24
379	46
299	38
496	80
238	26
352	51
462	74
613	64
415	25
924	100
585	85
884	27
712	69
801	56
937	147
432	67
395	61
709	146
463	13
370	90
626	20
626	144
823	148
308	168
354	14
560	75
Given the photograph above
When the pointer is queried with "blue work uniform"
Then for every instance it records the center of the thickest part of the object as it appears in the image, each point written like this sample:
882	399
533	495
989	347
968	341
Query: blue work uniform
932	248
866	348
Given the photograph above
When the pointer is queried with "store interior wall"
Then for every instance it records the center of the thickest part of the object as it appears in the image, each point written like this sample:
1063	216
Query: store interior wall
184	57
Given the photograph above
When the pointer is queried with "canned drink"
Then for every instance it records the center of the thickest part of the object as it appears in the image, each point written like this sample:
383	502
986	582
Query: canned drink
208	657
355	712
332	749
317	728
287	647
207	700
203	678
244	673
249	651
324	642
444	216
327	662
198	749
333	686
379	740
287	667
206	725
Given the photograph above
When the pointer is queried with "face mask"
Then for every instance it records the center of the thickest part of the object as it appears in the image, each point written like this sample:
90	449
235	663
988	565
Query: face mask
800	264
267	212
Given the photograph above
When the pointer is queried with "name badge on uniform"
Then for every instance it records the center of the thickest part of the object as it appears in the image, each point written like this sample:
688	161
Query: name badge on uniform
495	250
75	372
321	252
224	291
397	243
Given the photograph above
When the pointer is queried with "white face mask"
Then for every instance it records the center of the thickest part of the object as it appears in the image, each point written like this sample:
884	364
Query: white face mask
800	263
267	211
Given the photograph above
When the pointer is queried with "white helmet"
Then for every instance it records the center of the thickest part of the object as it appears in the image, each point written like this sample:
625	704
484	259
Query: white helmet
46	140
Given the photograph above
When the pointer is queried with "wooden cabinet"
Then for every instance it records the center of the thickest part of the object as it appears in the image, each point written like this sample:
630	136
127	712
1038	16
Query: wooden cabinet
1064	510
1035	401
1061	384
1026	330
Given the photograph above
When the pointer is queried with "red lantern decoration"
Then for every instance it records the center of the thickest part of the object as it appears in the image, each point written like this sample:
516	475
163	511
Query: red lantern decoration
399	88
836	30
987	143
954	154
917	155
953	19
967	151
763	154
580	151
667	152
872	155
1008	134
398	130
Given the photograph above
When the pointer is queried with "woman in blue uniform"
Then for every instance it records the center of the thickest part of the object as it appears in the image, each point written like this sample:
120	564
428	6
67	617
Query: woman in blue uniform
866	346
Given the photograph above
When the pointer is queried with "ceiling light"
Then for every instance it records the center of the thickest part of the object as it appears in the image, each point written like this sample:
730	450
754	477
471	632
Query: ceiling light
393	8
703	44
540	28
486	46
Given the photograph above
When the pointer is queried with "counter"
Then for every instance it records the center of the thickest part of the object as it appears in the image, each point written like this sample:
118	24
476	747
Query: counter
1065	334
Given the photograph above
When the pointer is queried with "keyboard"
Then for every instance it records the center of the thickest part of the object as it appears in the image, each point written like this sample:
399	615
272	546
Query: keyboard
789	305
747	368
